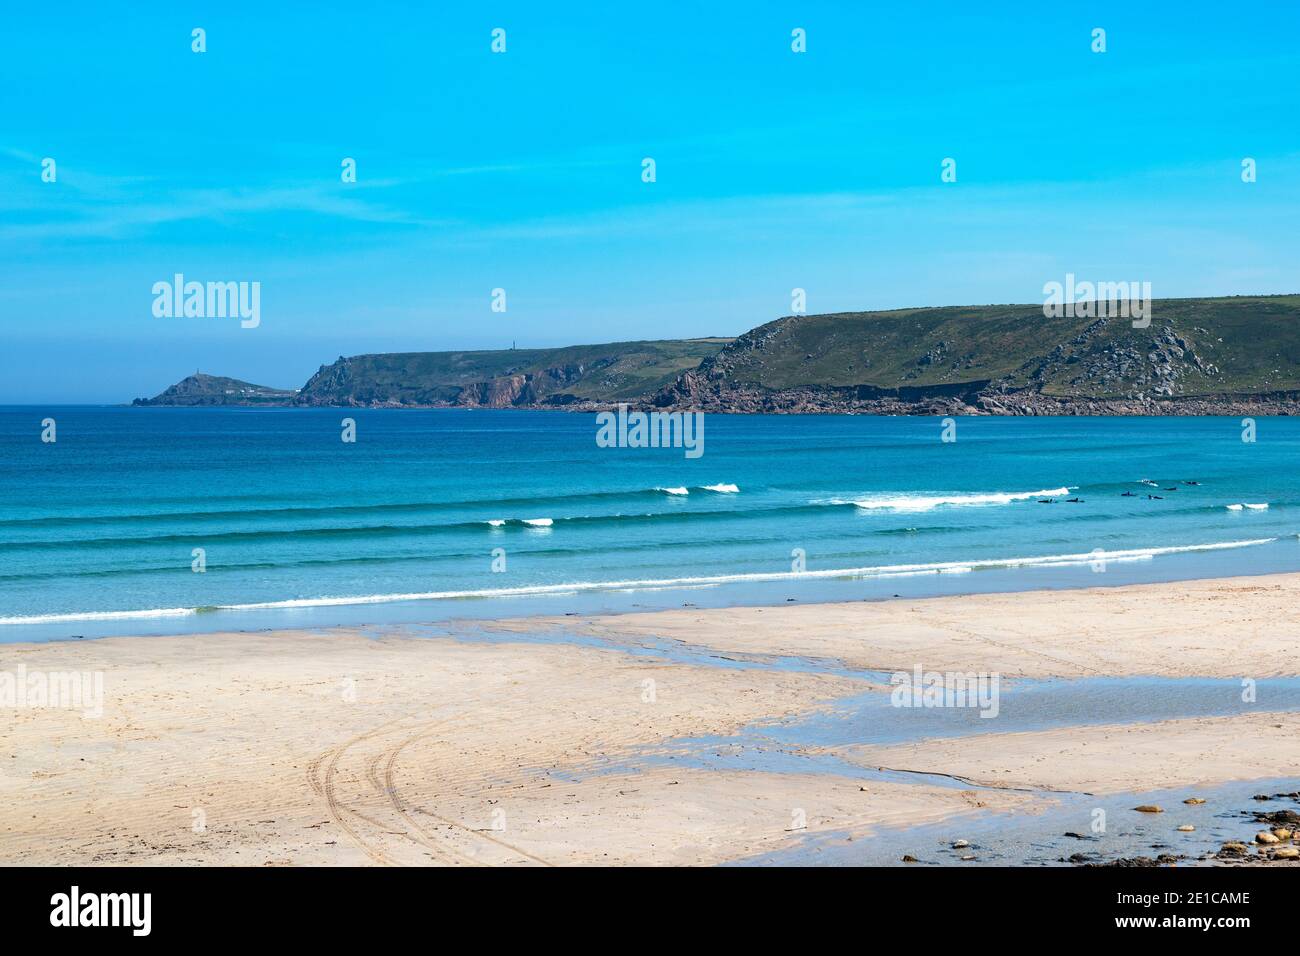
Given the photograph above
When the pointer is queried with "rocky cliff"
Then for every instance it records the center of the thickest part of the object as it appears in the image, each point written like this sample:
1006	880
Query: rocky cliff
1195	357
582	375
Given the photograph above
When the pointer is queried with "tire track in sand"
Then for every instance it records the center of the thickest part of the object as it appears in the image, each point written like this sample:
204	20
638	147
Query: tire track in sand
390	788
323	778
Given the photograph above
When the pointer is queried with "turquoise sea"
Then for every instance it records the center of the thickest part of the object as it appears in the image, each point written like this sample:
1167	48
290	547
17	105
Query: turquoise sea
437	513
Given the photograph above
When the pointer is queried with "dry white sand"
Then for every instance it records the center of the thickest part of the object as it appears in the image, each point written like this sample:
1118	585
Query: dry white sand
1111	758
290	748
1230	627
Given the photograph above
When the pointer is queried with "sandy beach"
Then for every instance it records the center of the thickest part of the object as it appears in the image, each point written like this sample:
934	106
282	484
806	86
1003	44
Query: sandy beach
616	739
1229	627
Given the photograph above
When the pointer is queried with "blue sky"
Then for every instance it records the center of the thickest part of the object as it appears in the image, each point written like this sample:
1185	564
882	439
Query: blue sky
522	171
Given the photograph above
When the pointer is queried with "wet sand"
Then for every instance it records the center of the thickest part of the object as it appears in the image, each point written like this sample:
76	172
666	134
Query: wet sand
683	737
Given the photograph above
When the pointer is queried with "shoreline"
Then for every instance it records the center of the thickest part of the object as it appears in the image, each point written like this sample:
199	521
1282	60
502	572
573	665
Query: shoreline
1253	559
698	736
846	401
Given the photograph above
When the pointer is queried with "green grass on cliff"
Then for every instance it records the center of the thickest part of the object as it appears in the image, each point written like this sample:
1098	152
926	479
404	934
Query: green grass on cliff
1252	342
611	372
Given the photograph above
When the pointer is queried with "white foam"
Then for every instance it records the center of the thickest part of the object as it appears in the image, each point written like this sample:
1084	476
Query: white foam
101	616
929	502
1234	507
723	489
496	522
1260	507
539	522
674	491
890	570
